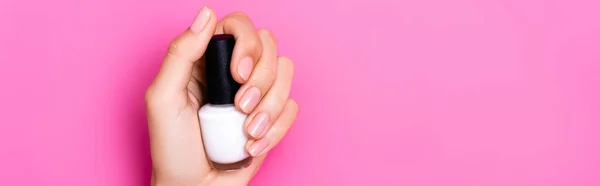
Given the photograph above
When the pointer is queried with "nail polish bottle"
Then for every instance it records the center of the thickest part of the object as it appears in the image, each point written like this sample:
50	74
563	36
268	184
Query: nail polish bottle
221	123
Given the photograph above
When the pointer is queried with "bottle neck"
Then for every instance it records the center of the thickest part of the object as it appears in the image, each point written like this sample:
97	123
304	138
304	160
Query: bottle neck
221	105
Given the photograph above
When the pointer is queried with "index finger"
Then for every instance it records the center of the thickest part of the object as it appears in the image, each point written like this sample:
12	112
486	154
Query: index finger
248	46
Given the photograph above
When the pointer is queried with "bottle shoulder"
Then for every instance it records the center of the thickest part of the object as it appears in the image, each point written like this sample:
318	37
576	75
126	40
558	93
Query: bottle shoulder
210	110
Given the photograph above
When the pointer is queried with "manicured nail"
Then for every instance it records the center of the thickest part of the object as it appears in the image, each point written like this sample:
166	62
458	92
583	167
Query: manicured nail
201	20
245	68
258	147
250	99
258	124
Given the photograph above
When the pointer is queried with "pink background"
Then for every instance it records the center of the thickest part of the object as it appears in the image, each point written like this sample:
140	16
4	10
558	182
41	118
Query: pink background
392	92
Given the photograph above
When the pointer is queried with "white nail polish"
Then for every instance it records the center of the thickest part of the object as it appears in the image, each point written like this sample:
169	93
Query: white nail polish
221	123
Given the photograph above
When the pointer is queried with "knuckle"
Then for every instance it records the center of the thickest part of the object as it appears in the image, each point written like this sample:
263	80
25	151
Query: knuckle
265	77
286	63
264	32
238	14
236	18
254	43
174	48
156	99
268	72
147	96
294	108
293	104
267	34
284	59
254	46
150	97
280	100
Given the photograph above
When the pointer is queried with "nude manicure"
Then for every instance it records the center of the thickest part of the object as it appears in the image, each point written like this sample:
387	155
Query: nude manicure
244	69
250	99
258	124
258	147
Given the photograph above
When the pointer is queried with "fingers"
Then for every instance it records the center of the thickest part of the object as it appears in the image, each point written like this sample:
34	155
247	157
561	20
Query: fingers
273	103
266	81
248	46
262	77
277	131
183	52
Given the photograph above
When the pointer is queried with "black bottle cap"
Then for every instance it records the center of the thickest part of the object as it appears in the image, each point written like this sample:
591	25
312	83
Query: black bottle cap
220	85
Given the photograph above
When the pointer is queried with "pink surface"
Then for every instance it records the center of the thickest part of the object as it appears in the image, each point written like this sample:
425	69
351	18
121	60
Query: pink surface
392	92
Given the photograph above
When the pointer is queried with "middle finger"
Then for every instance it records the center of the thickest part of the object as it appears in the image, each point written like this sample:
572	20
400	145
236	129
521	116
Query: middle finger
262	77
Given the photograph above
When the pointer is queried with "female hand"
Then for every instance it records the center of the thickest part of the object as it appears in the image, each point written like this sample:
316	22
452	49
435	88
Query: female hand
175	95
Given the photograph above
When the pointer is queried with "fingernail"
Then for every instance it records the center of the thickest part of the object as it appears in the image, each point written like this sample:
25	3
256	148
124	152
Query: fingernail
201	20
250	99
245	67
258	124
258	147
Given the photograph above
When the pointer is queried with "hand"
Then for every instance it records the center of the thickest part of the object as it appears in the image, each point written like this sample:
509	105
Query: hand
174	97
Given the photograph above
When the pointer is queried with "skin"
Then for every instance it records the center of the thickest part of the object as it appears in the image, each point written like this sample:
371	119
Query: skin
174	98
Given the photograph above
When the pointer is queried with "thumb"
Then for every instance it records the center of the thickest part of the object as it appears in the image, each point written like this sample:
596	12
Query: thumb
184	51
